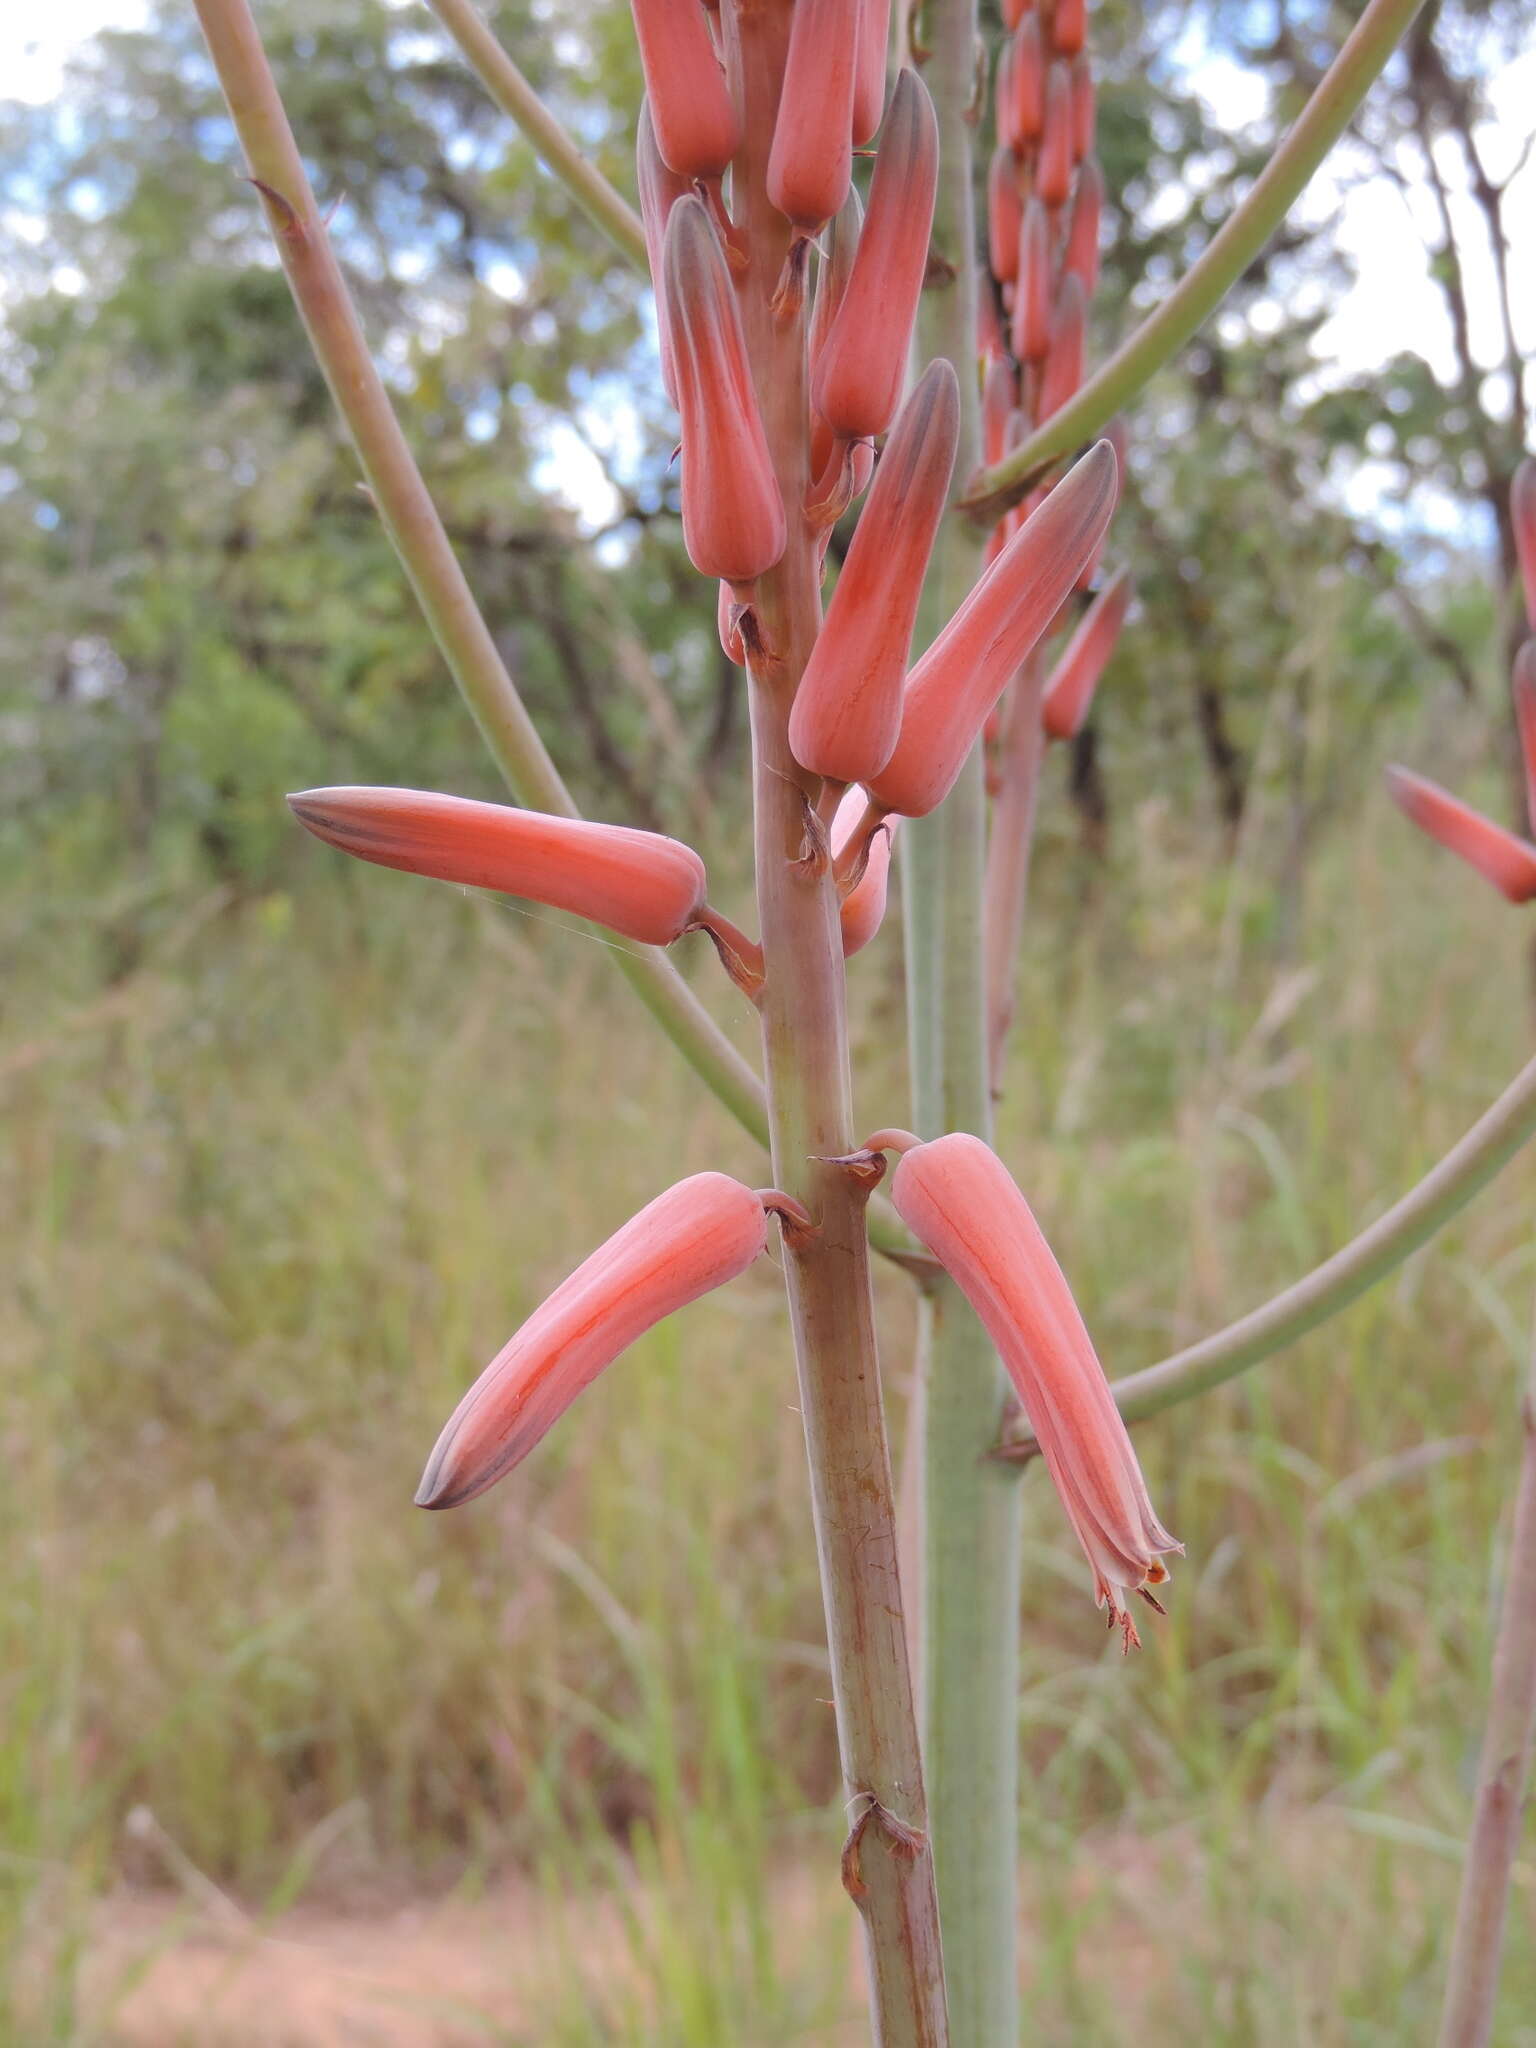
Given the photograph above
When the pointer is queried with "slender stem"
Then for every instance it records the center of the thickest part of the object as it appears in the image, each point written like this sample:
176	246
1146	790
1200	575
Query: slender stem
1201	290
412	523
1008	850
888	1863
972	1536
557	151
1503	1775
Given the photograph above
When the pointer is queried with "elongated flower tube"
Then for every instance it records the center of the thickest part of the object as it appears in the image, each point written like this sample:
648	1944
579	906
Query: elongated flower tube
1005	214
1084	107
856	381
733	515
862	911
687	1242
660	188
967	668
642	884
1069	341
1014	12
847	709
1031	328
1025	83
869	78
1082	252
1069	26
1053	171
811	160
956	1195
1522	506
697	130
1523	689
1072	682
1499	857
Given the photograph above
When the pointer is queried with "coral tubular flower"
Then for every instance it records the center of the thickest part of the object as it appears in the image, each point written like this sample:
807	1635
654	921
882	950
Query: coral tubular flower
869	78
1053	172
1084	107
697	130
1522	507
660	188
839	245
1523	685
1069	339
956	1195
733	515
687	1242
811	159
1014	12
856	382
863	909
1073	680
1069	26
999	398
847	709
967	668
1025	83
1031	329
1499	857
642	884
1082	252
1005	213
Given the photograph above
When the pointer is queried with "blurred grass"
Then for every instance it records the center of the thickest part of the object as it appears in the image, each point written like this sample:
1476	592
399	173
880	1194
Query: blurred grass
267	1214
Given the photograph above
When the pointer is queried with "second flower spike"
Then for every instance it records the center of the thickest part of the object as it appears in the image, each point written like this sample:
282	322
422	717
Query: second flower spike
959	1198
641	884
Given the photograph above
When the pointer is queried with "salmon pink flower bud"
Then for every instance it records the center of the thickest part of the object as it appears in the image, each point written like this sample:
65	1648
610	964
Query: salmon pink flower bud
956	1195
1005	213
811	159
697	130
733	515
847	709
1069	337
660	188
639	883
967	668
1032	294
869	78
1082	252
857	378
1499	857
999	398
1026	83
686	1243
1084	107
1014	12
1069	691
1053	172
863	909
1524	690
1522	507
1069	26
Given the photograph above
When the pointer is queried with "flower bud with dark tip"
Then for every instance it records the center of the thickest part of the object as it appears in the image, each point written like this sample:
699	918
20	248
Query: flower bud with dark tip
1025	83
733	515
1069	26
857	378
1069	337
1499	857
1031	327
689	1241
847	709
956	1195
641	884
697	130
869	78
967	668
811	160
1072	682
1053	170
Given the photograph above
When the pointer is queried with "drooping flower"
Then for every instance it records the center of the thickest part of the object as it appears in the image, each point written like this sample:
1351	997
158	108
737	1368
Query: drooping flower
1084	106
857	378
811	159
1053	170
1499	857
1031	331
696	126
847	708
869	79
641	884
690	1240
1069	688
956	1195
863	909
965	671
1005	215
733	515
1021	90
1069	26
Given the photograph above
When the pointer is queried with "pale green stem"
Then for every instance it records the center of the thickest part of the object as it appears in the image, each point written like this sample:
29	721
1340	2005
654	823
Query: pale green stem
1201	290
557	151
1504	1770
1009	845
411	520
972	1534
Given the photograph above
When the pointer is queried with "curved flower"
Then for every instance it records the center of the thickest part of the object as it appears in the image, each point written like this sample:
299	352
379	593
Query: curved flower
863	908
1072	682
687	1242
1499	857
642	884
1063	371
